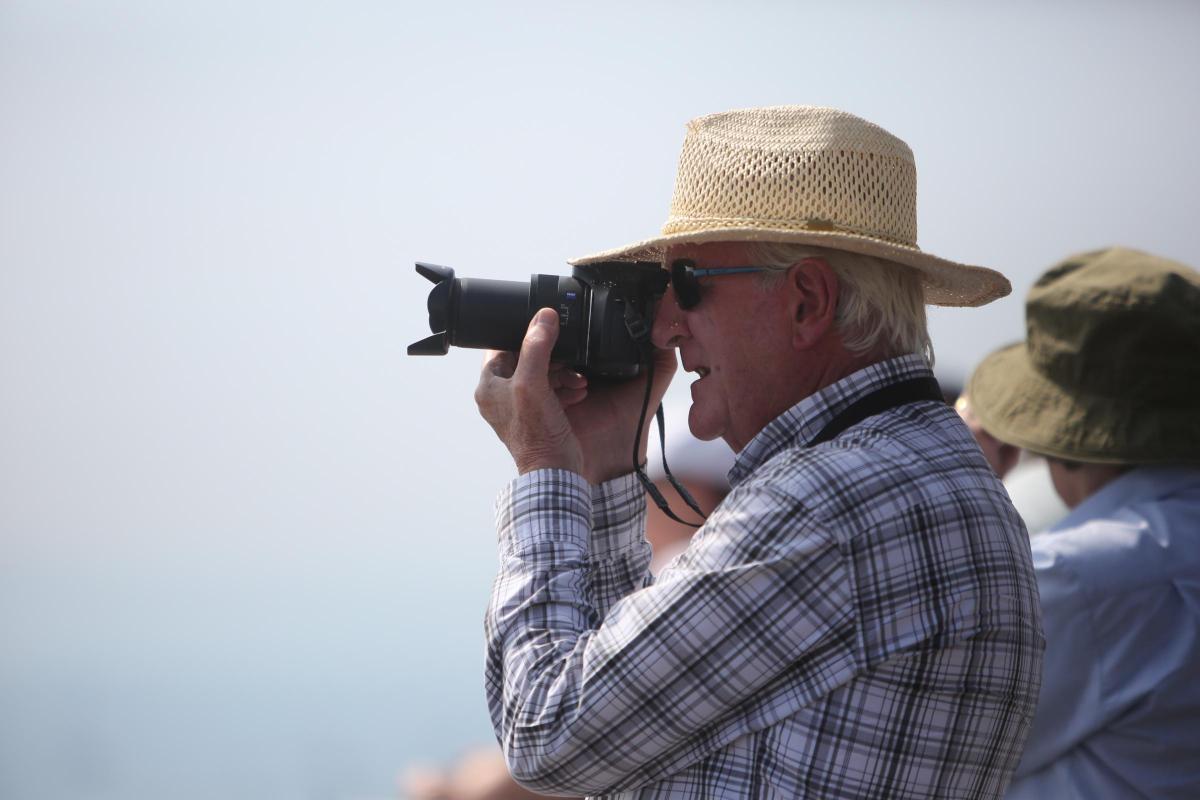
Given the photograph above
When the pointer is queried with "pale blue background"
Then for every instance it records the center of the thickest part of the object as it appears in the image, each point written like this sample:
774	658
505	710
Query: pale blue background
245	542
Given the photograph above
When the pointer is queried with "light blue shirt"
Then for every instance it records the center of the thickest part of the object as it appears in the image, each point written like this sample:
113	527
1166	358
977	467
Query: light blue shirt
1119	712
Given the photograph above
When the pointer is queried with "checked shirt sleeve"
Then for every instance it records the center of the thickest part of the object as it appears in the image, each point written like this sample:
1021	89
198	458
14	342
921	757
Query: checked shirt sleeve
599	680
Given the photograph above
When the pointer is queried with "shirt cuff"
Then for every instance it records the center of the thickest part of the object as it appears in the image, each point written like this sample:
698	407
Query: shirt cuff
618	516
545	505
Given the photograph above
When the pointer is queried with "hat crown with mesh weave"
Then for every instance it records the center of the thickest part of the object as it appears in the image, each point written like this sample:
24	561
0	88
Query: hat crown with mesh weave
795	168
805	175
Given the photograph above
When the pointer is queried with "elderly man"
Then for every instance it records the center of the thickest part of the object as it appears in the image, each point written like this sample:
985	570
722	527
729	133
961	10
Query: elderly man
858	618
1105	387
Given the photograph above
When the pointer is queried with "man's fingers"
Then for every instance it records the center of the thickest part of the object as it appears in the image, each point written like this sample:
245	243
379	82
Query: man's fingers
665	365
569	397
563	377
497	365
539	342
664	360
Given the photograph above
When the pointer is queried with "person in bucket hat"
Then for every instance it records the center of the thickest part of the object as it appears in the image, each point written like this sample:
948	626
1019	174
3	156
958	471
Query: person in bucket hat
1105	386
858	618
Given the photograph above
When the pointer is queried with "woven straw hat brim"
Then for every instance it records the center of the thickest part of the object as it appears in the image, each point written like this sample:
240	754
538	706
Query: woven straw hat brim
947	283
1017	404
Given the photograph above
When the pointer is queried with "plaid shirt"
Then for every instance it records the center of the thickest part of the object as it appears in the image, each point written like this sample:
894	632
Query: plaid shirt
858	619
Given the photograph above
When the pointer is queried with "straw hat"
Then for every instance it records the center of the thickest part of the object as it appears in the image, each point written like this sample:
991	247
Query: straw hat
807	175
1109	372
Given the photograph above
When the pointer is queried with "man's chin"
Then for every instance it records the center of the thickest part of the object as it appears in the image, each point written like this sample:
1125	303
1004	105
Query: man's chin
702	428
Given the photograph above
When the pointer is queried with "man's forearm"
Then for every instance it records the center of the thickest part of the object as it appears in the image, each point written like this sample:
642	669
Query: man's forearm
569	552
589	702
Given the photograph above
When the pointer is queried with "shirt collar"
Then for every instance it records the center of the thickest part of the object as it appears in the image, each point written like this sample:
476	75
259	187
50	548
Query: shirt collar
797	426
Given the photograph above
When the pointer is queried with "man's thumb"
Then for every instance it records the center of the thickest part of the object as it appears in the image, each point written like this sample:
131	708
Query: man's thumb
538	344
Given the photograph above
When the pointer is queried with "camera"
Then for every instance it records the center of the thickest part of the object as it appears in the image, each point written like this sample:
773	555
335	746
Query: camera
605	312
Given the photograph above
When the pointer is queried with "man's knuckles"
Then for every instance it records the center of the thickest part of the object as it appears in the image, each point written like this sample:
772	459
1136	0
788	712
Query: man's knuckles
529	391
483	396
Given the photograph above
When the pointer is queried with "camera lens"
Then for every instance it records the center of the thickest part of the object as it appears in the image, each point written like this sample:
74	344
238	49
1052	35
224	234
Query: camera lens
491	314
488	314
604	314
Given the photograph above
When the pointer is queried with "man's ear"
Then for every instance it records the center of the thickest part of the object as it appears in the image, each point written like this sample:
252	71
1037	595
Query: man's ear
1008	455
813	298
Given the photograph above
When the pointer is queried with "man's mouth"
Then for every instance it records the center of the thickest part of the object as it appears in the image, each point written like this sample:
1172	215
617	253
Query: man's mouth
701	371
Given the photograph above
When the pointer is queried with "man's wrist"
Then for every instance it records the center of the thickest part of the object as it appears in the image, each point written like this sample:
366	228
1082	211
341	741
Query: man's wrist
533	465
531	461
597	477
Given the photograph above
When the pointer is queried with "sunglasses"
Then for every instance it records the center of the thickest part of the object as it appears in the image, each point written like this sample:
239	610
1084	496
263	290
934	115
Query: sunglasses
685	280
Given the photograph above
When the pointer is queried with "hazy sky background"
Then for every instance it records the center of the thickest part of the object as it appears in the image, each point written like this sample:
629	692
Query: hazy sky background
245	542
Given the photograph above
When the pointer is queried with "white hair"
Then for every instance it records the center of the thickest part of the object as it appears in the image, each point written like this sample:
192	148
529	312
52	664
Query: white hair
881	304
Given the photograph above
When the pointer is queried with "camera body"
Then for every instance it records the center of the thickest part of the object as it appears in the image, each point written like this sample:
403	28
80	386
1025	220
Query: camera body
605	312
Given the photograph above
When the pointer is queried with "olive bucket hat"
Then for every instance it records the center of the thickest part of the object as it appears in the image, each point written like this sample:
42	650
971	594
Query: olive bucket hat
1109	371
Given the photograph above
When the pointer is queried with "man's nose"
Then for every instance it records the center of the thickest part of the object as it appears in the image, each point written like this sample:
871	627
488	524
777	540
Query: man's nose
670	323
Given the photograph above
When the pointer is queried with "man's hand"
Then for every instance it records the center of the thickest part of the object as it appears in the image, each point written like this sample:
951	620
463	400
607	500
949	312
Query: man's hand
549	417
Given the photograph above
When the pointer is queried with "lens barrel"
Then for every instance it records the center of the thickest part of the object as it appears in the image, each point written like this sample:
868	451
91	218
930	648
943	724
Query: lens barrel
488	314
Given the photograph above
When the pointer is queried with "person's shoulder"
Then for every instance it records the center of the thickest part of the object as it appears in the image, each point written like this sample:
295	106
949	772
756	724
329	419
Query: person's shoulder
1125	549
881	468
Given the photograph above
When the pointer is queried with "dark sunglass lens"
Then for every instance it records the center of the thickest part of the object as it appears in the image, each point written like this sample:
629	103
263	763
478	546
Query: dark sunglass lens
687	288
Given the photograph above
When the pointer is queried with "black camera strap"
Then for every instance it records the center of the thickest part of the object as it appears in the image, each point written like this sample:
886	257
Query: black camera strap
893	395
640	332
662	446
647	484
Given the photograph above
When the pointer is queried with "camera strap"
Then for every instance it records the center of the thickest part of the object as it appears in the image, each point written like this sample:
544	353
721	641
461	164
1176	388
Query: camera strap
647	484
639	331
891	396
